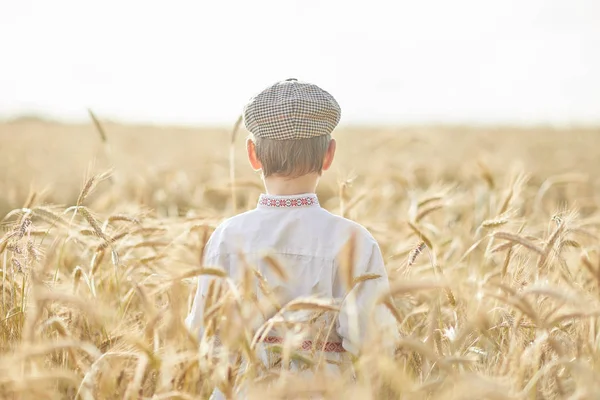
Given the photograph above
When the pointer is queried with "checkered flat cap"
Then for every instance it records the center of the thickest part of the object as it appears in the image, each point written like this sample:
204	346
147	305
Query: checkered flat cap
291	110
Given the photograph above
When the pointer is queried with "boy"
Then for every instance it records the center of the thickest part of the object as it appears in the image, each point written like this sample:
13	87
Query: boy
290	124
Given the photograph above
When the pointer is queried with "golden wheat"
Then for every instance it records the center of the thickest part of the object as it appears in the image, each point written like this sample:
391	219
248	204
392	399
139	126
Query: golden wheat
498	298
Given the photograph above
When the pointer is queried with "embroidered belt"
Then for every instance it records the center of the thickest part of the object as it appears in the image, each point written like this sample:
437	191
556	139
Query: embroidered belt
308	345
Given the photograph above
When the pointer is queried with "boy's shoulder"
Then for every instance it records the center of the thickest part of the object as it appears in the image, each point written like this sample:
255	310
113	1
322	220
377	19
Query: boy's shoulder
237	220
227	229
352	226
331	224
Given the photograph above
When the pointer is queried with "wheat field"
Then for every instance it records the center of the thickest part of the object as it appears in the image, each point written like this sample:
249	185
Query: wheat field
490	236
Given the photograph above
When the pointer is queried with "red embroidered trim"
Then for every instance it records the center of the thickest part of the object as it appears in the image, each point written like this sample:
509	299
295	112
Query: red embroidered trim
288	202
307	345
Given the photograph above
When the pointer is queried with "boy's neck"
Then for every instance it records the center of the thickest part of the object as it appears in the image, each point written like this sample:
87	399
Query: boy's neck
281	186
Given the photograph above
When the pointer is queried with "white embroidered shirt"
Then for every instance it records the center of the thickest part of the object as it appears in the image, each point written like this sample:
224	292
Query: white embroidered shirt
306	240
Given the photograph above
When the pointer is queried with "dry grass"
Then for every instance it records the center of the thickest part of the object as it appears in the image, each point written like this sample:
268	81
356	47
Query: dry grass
491	242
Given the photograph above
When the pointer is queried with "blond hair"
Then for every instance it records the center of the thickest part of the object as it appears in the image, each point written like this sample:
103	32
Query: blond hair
291	158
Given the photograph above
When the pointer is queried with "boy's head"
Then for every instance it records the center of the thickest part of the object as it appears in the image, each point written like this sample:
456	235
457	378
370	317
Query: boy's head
290	124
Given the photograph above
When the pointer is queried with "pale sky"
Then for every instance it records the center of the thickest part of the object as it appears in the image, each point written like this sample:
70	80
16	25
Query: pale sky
198	62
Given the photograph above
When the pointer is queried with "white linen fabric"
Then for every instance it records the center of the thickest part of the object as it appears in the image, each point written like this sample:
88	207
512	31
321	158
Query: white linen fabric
306	240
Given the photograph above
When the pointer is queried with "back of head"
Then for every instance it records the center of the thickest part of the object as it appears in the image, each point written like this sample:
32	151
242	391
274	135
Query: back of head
291	124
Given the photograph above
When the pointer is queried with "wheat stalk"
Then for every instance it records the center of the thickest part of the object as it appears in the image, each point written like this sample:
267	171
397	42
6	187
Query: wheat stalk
232	182
516	319
347	260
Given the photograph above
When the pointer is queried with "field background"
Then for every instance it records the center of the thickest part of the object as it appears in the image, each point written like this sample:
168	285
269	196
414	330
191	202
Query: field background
195	161
484	336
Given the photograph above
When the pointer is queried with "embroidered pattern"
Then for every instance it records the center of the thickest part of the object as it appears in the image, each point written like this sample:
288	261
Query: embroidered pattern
308	345
287	201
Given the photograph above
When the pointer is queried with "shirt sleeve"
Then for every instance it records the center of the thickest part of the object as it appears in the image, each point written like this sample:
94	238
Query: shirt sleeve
360	314
212	257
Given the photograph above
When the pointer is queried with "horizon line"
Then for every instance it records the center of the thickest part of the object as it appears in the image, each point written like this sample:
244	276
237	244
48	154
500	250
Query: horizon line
51	119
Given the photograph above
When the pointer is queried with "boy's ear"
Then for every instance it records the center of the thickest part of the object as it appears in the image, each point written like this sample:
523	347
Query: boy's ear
251	149
329	155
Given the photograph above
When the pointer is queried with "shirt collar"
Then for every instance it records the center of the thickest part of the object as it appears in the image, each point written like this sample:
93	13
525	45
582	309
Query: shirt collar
293	201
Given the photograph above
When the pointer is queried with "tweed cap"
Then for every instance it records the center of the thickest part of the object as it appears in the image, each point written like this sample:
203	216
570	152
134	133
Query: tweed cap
291	110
